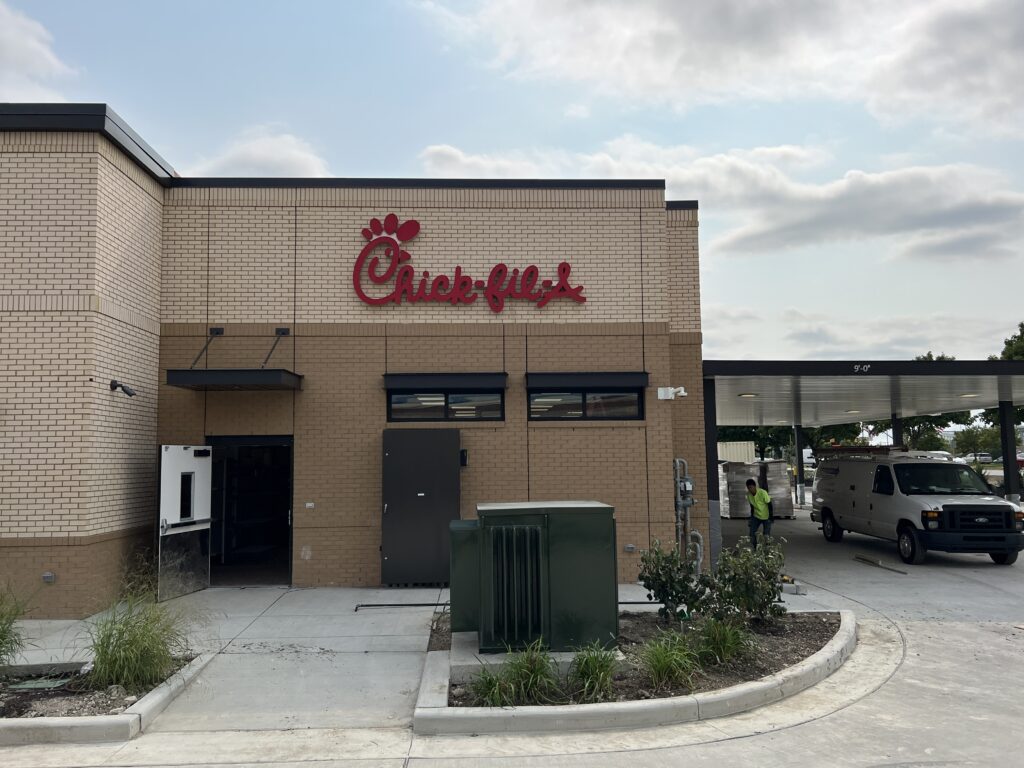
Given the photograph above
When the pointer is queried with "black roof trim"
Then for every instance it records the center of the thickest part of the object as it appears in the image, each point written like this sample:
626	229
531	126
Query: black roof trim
860	368
446	381
83	118
587	380
681	205
362	183
241	379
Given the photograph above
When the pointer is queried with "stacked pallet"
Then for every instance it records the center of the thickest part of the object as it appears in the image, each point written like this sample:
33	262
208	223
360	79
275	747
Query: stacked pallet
770	475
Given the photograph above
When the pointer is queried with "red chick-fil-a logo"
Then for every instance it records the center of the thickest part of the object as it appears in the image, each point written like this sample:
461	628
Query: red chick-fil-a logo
384	262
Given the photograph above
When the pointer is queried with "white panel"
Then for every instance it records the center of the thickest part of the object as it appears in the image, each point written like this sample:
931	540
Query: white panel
195	462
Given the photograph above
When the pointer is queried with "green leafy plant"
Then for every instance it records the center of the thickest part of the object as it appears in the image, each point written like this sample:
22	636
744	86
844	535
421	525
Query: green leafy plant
591	673
528	676
668	660
749	581
136	643
12	640
721	640
671	580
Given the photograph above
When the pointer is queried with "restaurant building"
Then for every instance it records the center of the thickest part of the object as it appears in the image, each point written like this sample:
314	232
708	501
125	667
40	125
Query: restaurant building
344	348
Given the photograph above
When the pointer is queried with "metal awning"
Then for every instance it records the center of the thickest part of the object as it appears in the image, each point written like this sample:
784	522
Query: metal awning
426	382
595	380
236	379
818	393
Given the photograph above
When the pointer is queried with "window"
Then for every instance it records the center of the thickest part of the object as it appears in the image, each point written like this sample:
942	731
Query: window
883	481
940	479
587	404
187	498
446	406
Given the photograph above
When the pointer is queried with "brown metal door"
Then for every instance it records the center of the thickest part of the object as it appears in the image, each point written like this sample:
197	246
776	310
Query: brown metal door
420	497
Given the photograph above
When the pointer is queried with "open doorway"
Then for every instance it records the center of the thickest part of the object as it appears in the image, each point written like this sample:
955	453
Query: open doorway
251	511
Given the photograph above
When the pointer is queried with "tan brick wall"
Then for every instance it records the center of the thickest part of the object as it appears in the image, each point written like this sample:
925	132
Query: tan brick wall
136	274
88	571
80	241
684	274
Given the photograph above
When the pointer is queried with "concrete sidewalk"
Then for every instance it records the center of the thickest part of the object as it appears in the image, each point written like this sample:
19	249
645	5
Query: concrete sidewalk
303	679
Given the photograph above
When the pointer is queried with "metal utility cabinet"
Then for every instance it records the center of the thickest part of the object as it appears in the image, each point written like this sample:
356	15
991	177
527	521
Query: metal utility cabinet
525	570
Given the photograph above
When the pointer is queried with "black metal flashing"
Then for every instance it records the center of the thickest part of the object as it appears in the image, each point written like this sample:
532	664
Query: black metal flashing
861	368
593	380
371	183
680	205
448	382
234	379
87	118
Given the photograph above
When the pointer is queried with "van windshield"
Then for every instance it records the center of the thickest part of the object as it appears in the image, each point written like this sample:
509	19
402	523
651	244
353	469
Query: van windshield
939	479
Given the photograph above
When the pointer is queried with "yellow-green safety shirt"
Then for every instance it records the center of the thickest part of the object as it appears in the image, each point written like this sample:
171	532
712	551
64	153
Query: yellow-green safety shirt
760	501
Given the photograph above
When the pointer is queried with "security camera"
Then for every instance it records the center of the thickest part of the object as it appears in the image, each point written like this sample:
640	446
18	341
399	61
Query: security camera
116	385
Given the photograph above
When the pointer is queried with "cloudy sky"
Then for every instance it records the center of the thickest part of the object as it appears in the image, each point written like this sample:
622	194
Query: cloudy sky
859	165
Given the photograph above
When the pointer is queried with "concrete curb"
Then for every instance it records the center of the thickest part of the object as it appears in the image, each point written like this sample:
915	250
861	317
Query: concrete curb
433	716
17	731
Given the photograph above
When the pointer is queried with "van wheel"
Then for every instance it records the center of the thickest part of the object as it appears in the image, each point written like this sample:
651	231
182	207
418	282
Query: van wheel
1003	558
831	528
912	550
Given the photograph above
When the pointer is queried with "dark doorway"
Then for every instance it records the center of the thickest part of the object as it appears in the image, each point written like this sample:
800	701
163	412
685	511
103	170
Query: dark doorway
421	497
251	511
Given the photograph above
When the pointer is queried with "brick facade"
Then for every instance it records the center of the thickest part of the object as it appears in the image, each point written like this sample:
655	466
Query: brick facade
114	276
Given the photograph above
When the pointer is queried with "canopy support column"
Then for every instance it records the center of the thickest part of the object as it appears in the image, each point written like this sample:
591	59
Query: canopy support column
711	460
798	444
1008	441
897	429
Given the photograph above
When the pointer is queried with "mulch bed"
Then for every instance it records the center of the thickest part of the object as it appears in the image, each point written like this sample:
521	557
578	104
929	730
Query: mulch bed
74	699
791	639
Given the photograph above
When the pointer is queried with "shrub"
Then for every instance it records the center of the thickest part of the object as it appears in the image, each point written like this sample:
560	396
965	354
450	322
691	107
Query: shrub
527	677
672	581
135	643
668	660
748	583
12	641
722	640
591	673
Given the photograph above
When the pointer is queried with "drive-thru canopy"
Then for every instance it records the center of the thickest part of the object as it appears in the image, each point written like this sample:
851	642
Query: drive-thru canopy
813	393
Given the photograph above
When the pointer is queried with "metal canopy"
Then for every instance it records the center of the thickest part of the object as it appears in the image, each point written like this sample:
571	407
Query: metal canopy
446	381
235	379
818	393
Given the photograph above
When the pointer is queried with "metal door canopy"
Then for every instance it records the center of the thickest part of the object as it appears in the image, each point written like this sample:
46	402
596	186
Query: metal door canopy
818	393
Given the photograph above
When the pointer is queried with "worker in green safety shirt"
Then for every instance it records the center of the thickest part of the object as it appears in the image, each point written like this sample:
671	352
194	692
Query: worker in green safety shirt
761	511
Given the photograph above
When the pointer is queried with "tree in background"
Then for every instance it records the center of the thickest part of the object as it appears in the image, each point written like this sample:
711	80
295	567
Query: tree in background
763	438
1013	349
921	433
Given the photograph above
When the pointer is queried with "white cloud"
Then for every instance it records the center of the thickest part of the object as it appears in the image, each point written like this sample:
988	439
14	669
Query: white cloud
28	64
946	58
263	151
948	212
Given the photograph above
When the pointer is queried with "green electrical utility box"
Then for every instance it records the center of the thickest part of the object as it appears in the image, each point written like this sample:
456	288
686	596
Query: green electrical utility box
464	580
545	569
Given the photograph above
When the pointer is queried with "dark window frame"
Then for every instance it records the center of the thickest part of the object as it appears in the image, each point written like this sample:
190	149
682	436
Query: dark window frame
447	417
583	392
883	469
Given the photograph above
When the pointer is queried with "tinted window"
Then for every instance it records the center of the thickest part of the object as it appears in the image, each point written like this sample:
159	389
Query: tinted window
587	404
185	509
556	405
883	480
613	405
446	406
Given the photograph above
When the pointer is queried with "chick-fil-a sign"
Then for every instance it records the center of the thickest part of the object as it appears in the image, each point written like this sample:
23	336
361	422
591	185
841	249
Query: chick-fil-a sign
384	263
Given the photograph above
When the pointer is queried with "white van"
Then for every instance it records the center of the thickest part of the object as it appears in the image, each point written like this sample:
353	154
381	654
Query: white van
919	502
